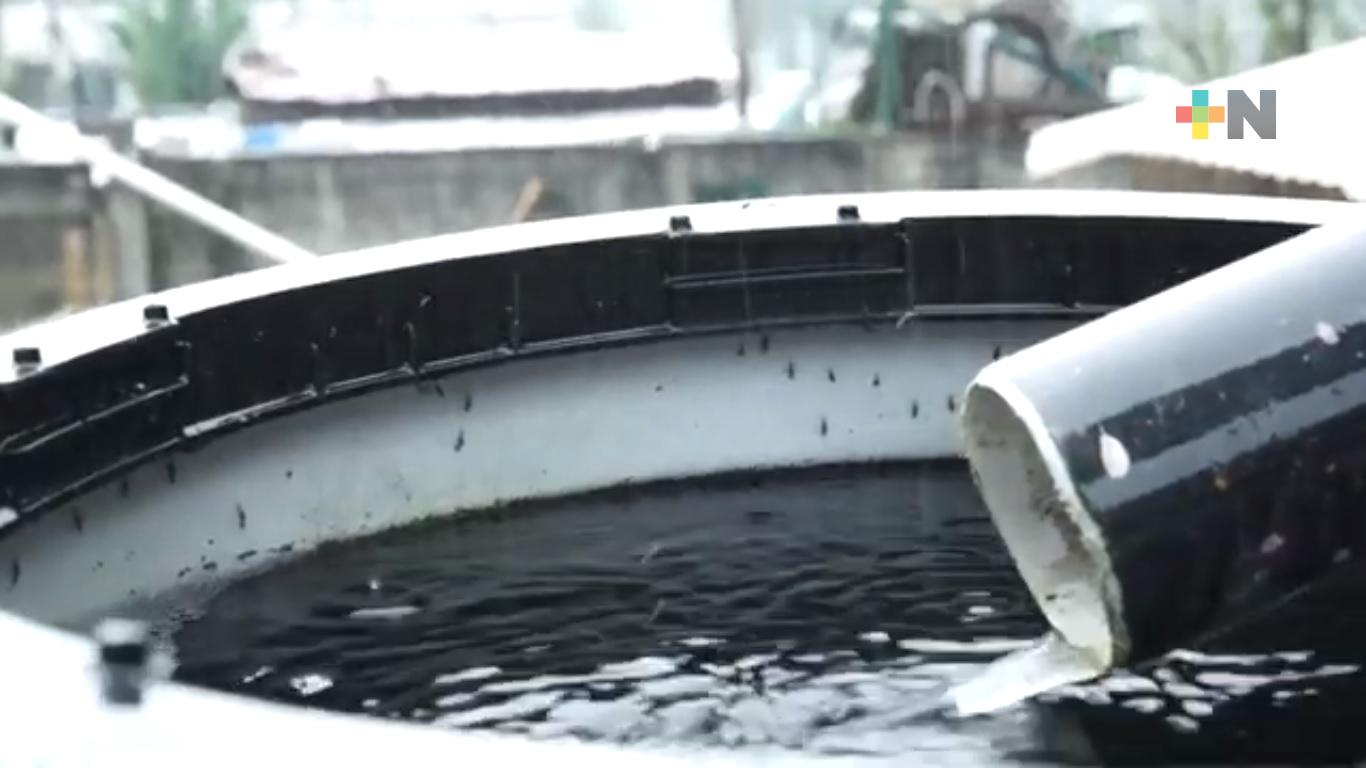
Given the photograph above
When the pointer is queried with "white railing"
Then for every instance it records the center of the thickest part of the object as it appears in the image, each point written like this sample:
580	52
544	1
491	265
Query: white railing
104	162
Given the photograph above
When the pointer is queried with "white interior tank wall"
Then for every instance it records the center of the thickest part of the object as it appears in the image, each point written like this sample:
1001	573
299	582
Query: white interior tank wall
526	429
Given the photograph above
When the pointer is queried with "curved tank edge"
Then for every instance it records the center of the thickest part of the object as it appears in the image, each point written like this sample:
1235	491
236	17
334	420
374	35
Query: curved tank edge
102	393
532	429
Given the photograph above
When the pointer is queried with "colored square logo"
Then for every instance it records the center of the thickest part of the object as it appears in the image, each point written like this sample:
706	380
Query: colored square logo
1239	113
1199	114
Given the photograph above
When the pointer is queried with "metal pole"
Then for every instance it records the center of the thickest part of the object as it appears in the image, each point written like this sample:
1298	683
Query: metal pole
1304	30
60	73
740	19
888	66
158	188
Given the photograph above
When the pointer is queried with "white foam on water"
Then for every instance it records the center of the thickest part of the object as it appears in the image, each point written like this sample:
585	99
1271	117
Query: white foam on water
1147	705
1239	683
1128	683
646	666
312	683
1220	659
847	678
1196	708
754	661
1182	723
474	673
985	645
700	642
539	683
1234	681
521	706
677	687
613	720
1093	695
1187	691
455	700
384	613
778	676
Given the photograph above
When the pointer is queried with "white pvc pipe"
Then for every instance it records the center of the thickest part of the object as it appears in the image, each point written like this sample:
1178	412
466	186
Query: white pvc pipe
152	185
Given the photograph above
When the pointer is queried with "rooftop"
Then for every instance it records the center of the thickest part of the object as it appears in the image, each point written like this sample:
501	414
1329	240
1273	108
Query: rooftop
397	58
1318	135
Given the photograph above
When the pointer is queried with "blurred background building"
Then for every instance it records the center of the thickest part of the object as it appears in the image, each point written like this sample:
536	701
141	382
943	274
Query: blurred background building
349	123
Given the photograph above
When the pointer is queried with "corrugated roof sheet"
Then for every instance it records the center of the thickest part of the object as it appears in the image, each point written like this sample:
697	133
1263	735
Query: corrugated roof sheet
1319	131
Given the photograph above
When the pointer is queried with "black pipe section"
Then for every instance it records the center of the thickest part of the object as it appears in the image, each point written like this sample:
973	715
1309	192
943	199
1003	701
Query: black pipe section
1188	462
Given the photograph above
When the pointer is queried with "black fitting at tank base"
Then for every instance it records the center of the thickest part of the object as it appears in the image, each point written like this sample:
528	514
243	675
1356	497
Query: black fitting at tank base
124	659
1191	461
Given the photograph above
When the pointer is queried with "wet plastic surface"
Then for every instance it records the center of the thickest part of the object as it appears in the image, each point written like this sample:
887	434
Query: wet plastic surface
284	348
1213	433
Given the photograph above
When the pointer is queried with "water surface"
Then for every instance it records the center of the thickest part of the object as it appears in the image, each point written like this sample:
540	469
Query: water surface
823	610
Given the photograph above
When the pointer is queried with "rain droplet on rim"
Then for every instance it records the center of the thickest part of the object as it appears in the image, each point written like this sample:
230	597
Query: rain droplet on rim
1326	333
1113	456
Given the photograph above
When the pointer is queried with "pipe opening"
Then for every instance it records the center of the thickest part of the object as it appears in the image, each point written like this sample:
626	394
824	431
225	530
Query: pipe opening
1056	546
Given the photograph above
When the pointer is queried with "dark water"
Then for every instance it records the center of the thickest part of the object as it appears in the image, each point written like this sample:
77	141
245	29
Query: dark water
824	611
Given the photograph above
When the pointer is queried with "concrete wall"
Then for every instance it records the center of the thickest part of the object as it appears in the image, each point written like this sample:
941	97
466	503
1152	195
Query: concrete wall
336	203
44	223
65	245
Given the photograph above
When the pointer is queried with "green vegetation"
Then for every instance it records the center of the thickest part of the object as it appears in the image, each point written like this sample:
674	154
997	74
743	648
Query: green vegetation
175	47
1203	43
598	15
1297	26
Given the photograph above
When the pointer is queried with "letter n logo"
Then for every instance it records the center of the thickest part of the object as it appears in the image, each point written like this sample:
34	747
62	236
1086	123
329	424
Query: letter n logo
1262	117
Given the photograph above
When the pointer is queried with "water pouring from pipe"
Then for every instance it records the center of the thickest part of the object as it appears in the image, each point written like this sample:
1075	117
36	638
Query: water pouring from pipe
1138	494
